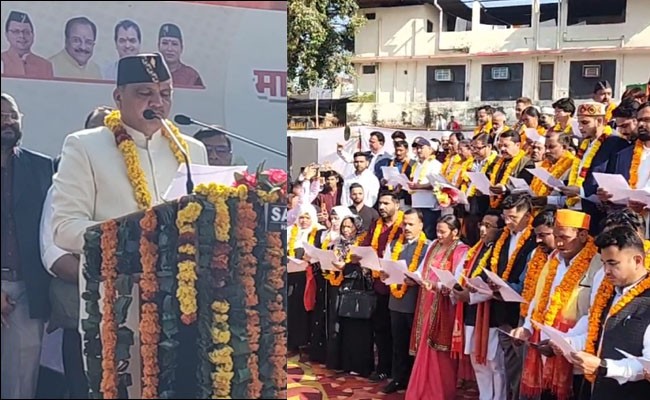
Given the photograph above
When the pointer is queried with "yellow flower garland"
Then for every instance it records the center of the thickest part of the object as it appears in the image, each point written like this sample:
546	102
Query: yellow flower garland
636	161
535	267
646	247
218	195
400	290
603	296
335	278
556	169
186	292
495	201
377	232
487	128
484	169
578	175
291	246
567	129
482	263
494	262
451	167
126	145
222	356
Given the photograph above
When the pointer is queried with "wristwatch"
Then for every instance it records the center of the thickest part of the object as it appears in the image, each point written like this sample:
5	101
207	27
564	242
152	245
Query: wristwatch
602	368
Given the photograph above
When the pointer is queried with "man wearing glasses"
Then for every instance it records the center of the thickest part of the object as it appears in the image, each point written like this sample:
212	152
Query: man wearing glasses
219	148
19	60
74	60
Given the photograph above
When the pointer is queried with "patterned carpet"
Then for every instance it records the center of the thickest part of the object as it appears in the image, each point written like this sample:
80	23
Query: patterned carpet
313	382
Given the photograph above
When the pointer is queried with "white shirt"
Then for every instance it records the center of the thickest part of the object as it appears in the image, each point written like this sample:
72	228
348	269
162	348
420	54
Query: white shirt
644	169
49	251
425	198
557	279
348	158
370	184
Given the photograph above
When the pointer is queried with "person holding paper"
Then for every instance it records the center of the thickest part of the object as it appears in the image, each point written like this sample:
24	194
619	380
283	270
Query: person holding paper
124	167
565	109
479	203
557	161
530	117
382	232
477	336
410	247
435	371
513	163
561	299
363	176
619	318
376	154
404	165
421	189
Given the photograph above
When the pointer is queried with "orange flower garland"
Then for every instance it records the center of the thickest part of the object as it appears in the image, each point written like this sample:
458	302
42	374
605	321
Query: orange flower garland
556	169
603	296
400	290
535	267
377	232
538	313
278	315
108	336
246	242
636	161
494	262
495	201
149	325
335	278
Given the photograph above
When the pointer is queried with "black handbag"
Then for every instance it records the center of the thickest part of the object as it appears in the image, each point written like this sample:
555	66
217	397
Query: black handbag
357	303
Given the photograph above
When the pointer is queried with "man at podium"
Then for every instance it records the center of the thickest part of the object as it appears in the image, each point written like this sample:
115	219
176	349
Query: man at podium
121	168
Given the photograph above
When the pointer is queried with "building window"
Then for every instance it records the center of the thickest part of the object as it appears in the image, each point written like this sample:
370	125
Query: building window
546	71
368	69
371	16
446	83
429	26
583	76
596	12
501	81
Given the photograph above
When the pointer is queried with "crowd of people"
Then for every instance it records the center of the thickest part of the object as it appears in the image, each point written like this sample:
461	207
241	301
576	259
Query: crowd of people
551	288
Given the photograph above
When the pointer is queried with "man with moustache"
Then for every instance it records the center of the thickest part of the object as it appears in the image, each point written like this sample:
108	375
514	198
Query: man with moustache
479	203
483	120
481	339
74	60
498	125
26	178
559	161
170	45
19	60
420	187
410	247
511	164
128	39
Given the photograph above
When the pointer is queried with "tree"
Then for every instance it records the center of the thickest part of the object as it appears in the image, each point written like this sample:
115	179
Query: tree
320	40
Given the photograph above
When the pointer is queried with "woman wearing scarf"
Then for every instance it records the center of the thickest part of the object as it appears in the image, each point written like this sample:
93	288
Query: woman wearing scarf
304	230
351	348
322	289
435	371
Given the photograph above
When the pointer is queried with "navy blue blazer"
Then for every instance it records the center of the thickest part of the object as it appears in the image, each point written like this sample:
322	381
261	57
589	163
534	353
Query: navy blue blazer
32	178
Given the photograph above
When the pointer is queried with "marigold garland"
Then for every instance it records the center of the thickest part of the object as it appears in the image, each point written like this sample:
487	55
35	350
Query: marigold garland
400	290
149	325
482	263
603	296
567	129
535	267
579	174
451	167
221	356
108	329
218	195
391	235
487	128
636	162
335	278
494	262
495	201
293	237
127	147
646	248
278	315
556	169
187	276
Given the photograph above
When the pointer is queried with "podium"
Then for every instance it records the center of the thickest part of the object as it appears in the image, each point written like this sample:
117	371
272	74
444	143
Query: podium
187	300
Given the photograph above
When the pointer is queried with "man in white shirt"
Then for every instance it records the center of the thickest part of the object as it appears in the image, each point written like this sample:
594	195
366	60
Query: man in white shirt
128	39
421	188
363	176
377	151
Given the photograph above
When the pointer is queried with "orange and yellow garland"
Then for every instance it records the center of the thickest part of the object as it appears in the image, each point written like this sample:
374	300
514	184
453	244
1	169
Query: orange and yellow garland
556	169
495	201
636	161
377	232
603	296
108	386
291	245
578	175
567	129
535	267
149	323
494	262
187	277
400	290
277	312
127	147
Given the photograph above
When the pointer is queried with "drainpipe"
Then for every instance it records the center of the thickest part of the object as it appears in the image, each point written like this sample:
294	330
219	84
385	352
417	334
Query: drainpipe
440	19
536	18
560	19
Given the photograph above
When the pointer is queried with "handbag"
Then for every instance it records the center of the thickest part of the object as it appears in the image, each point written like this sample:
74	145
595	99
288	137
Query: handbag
357	303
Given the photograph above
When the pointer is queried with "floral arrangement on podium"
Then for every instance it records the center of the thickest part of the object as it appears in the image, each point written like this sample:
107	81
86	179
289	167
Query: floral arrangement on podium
210	291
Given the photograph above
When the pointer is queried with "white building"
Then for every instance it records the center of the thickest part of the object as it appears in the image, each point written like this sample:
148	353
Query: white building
455	55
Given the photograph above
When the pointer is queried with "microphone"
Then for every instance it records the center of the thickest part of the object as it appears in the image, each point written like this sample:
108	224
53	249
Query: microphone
149	115
181	119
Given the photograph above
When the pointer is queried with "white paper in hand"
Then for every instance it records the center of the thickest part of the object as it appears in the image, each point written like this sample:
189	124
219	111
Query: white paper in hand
558	338
481	181
201	174
368	257
479	285
507	293
445	277
644	361
614	184
394	177
326	258
548	179
396	271
520	186
534	136
415	276
296	265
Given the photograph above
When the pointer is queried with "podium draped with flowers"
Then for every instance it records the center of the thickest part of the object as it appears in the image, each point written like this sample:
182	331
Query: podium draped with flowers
212	296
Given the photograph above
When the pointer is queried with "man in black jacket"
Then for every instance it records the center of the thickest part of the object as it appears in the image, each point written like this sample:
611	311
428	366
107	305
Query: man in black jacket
26	177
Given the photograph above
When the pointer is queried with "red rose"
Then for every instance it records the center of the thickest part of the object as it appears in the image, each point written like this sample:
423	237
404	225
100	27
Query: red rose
276	176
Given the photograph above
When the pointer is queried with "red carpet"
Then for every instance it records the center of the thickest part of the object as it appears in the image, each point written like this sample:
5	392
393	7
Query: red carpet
313	382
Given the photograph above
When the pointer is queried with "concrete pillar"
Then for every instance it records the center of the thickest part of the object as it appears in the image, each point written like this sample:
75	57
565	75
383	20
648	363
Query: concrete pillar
476	15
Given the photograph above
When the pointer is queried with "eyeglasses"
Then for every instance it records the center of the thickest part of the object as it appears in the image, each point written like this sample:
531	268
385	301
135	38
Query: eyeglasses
11	116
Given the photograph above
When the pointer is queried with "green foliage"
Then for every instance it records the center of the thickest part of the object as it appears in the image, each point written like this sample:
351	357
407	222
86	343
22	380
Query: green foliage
319	37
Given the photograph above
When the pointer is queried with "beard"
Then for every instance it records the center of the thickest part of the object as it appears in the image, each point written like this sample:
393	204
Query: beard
11	136
644	136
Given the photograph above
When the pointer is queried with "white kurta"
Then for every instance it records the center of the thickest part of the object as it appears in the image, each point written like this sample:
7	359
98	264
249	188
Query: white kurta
92	186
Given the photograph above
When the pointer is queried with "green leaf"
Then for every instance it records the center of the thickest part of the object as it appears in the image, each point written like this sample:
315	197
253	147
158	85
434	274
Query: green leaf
124	284
121	308
242	375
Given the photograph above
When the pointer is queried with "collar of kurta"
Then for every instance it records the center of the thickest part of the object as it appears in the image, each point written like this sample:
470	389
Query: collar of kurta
140	139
